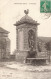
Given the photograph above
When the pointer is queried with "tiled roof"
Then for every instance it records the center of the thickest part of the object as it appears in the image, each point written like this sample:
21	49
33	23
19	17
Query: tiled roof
26	19
3	30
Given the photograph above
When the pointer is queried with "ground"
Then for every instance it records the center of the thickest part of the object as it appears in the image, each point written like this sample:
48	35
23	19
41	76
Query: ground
14	70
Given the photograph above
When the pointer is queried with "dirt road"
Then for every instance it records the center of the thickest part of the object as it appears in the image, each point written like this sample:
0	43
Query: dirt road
7	73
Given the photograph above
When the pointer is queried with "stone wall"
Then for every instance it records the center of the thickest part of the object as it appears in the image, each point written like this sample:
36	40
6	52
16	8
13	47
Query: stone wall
8	48
25	35
4	46
22	54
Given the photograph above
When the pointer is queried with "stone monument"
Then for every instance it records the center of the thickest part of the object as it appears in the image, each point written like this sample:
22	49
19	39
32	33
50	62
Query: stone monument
26	37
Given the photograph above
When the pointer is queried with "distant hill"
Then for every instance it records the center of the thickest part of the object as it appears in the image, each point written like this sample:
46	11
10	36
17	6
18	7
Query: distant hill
45	39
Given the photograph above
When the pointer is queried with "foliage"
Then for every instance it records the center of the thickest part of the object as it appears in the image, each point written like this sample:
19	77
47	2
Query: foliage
39	47
48	45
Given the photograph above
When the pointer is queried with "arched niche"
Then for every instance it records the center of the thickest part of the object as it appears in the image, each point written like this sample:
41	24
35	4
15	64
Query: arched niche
31	39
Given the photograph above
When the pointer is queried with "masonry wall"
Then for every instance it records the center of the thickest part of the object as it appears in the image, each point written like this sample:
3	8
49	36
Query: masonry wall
8	48
4	46
22	54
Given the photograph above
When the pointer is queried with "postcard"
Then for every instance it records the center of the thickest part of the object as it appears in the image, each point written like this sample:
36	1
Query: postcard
25	39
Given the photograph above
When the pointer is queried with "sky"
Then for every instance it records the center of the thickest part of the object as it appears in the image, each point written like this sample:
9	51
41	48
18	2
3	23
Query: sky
12	11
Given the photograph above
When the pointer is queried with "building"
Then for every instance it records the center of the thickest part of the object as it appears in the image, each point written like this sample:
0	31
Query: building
30	47
4	44
26	41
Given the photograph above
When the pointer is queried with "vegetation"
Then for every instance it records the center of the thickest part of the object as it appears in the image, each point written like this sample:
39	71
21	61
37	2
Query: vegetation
48	46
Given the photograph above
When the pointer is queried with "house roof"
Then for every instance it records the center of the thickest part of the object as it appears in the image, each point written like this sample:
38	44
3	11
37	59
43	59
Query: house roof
26	19
3	30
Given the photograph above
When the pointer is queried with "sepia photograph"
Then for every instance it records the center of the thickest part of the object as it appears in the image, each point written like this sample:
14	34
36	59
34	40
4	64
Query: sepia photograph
25	39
